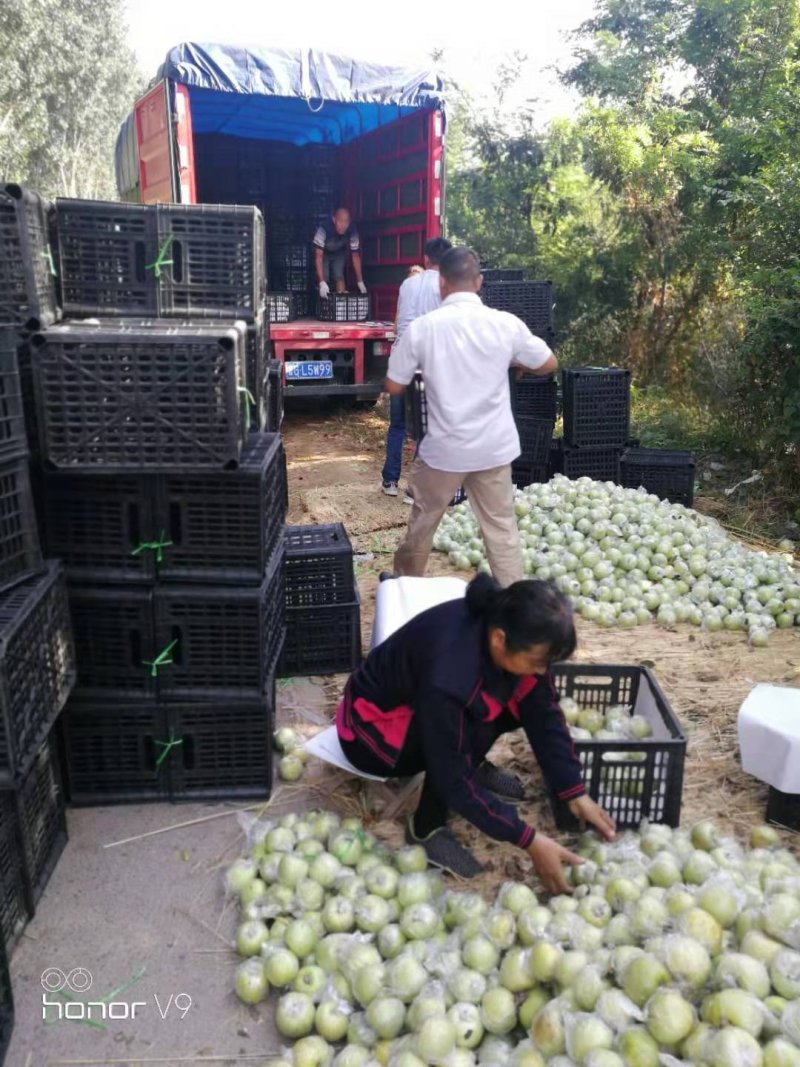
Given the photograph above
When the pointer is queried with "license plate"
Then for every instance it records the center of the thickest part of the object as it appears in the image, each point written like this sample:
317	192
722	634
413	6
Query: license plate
317	368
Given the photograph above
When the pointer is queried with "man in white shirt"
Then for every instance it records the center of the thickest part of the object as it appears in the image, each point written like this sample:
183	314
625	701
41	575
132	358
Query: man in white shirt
419	294
464	351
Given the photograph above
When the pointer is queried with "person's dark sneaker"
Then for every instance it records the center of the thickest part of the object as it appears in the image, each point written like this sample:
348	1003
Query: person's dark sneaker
408	497
444	851
503	784
389	488
386	576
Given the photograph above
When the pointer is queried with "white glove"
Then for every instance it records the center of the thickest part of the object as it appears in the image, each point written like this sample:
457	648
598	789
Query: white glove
324	290
362	288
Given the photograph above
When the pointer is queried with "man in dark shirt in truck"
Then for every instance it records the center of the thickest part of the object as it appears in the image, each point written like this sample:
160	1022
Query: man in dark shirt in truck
334	238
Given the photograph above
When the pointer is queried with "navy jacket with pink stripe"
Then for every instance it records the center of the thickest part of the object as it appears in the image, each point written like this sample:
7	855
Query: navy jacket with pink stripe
436	671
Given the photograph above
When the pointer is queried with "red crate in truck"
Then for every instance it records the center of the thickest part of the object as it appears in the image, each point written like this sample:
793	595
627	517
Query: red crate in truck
301	133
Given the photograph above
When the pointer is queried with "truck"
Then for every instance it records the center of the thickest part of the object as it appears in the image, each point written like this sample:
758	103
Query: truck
299	133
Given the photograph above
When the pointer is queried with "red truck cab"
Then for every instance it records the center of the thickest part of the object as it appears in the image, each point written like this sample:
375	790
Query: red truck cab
250	126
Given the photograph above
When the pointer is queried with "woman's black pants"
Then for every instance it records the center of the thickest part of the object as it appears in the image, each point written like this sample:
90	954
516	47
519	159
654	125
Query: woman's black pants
431	813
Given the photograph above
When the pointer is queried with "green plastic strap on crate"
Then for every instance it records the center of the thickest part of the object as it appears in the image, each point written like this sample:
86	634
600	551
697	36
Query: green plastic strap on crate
163	659
48	255
168	747
153	546
161	260
249	400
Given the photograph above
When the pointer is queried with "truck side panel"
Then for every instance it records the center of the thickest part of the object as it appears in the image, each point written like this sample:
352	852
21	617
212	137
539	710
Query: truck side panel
184	146
393	186
154	139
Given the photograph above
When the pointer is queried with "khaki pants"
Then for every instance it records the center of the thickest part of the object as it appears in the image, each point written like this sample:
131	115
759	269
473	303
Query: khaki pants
491	496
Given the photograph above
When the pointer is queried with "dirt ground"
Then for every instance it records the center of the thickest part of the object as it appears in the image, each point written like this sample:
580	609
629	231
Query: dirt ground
148	918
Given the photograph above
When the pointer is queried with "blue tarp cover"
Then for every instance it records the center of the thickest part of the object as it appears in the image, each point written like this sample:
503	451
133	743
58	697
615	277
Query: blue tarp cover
300	96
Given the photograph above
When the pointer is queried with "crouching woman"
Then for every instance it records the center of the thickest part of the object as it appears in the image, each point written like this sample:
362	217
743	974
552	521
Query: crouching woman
436	695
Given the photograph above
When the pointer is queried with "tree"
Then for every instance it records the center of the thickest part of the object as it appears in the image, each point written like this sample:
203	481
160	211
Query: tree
736	207
67	79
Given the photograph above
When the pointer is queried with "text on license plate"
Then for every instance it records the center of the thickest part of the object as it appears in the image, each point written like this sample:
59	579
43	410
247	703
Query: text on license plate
317	368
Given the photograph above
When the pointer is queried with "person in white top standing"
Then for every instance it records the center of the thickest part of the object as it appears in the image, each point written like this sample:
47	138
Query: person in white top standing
419	294
464	351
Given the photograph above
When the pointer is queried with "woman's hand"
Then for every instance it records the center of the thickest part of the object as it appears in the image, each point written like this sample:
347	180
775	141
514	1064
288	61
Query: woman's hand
549	859
588	811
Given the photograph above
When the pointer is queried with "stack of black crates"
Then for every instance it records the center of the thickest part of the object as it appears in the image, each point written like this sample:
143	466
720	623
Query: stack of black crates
165	497
323	615
534	405
533	399
596	411
37	663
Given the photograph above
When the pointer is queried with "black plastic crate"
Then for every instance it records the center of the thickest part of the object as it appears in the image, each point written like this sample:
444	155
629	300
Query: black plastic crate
597	406
255	371
112	751
14	893
319	566
416	409
302	302
107	257
524	474
292	279
224	752
275	400
601	464
534	397
30	417
20	554
535	436
344	307
149	752
6	1005
13	440
555	459
252	339
37	667
667	474
275	608
293	256
323	639
41	810
783	809
280	226
281	307
115	642
183	512
27	269
629	791
502	274
530	301
223	527
122	399
103	526
220	638
215	255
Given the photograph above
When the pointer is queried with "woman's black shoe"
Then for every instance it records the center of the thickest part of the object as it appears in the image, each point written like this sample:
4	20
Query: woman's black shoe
444	851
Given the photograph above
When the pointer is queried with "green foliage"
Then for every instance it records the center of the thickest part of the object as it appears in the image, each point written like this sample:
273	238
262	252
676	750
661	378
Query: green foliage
666	210
67	79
